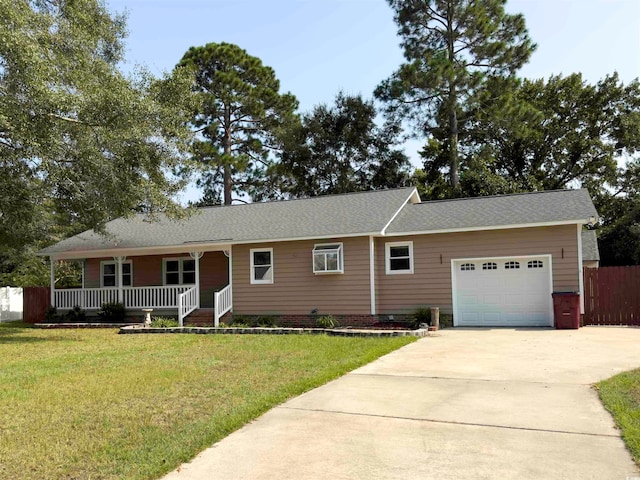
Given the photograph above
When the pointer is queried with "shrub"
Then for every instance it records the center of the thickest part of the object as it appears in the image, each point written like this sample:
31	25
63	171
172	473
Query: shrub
164	322
239	320
112	313
240	325
267	321
327	321
75	315
51	315
421	315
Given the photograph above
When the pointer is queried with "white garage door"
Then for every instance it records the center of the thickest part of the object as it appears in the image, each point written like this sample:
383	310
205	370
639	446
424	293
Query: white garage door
503	292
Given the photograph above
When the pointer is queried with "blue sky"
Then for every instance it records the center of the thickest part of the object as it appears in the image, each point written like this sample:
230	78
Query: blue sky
318	47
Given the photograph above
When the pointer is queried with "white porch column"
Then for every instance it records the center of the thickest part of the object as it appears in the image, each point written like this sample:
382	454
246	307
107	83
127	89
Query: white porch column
119	261
197	256
52	281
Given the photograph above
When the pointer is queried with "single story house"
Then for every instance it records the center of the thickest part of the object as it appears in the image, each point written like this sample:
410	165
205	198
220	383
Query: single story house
363	257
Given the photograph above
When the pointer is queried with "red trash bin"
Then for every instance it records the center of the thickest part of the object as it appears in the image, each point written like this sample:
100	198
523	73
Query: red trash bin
566	309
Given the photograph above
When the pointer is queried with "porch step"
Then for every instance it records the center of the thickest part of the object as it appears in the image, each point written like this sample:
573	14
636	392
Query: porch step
202	317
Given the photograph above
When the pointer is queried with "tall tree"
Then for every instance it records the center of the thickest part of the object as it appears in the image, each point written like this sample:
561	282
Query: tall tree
451	47
80	143
570	133
566	134
339	148
239	116
77	138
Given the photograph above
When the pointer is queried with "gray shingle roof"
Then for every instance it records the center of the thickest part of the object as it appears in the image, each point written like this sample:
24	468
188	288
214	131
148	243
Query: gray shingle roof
324	216
335	216
499	210
590	251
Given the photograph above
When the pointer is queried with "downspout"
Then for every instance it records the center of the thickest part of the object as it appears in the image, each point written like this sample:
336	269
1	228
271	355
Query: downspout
372	274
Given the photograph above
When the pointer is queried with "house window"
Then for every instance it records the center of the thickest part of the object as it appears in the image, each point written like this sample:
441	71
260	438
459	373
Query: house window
327	258
490	266
109	274
399	257
262	265
535	264
179	271
465	267
511	265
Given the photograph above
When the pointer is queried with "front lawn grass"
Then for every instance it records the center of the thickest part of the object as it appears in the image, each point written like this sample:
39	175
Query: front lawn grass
91	404
621	396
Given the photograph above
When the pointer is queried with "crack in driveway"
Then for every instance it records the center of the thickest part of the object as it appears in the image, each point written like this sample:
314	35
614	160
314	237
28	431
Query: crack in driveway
448	422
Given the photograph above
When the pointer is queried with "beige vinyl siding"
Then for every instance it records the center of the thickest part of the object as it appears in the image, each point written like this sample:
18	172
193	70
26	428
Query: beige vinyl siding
431	282
296	290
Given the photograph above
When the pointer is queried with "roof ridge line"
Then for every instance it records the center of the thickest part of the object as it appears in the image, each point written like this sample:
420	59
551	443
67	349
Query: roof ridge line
283	200
502	195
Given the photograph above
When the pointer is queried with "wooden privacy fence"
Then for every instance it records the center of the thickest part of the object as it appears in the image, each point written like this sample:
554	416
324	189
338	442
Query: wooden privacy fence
612	296
36	301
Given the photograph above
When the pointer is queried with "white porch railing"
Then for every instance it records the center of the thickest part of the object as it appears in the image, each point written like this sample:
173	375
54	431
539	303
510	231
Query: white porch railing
187	303
223	302
132	297
86	298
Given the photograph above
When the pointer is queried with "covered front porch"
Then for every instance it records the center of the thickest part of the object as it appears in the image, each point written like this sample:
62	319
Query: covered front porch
172	283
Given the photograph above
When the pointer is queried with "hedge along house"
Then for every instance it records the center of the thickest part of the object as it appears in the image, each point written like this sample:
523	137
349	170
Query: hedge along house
363	257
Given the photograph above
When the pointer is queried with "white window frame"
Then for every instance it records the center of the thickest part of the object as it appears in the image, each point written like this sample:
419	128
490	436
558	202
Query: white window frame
387	254
339	249
254	280
180	261
117	273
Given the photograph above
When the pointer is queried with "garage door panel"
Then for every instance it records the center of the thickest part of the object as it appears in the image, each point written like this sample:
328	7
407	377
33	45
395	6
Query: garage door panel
517	292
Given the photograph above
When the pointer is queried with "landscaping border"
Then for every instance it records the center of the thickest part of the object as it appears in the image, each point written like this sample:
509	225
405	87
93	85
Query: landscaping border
338	332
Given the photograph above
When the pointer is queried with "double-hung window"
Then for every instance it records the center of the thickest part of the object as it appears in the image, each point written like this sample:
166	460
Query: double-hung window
179	271
328	258
109	274
399	257
261	265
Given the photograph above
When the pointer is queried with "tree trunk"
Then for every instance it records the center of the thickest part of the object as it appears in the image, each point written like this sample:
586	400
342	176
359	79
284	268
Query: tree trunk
226	143
454	164
452	103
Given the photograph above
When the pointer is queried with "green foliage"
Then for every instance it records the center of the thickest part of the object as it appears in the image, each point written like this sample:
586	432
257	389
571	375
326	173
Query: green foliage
164	322
620	395
421	315
112	313
339	149
26	269
327	321
267	321
75	315
240	114
51	315
80	143
452	48
93	380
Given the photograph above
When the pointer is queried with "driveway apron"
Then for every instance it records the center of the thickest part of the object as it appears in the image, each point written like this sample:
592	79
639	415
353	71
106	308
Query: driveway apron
467	403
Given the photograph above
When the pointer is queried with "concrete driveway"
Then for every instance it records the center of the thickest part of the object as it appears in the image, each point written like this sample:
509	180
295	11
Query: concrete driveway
468	403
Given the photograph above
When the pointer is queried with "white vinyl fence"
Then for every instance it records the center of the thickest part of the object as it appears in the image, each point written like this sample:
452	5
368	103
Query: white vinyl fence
10	304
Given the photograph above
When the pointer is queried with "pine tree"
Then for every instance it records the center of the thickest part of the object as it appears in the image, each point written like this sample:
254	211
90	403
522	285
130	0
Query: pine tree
239	116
